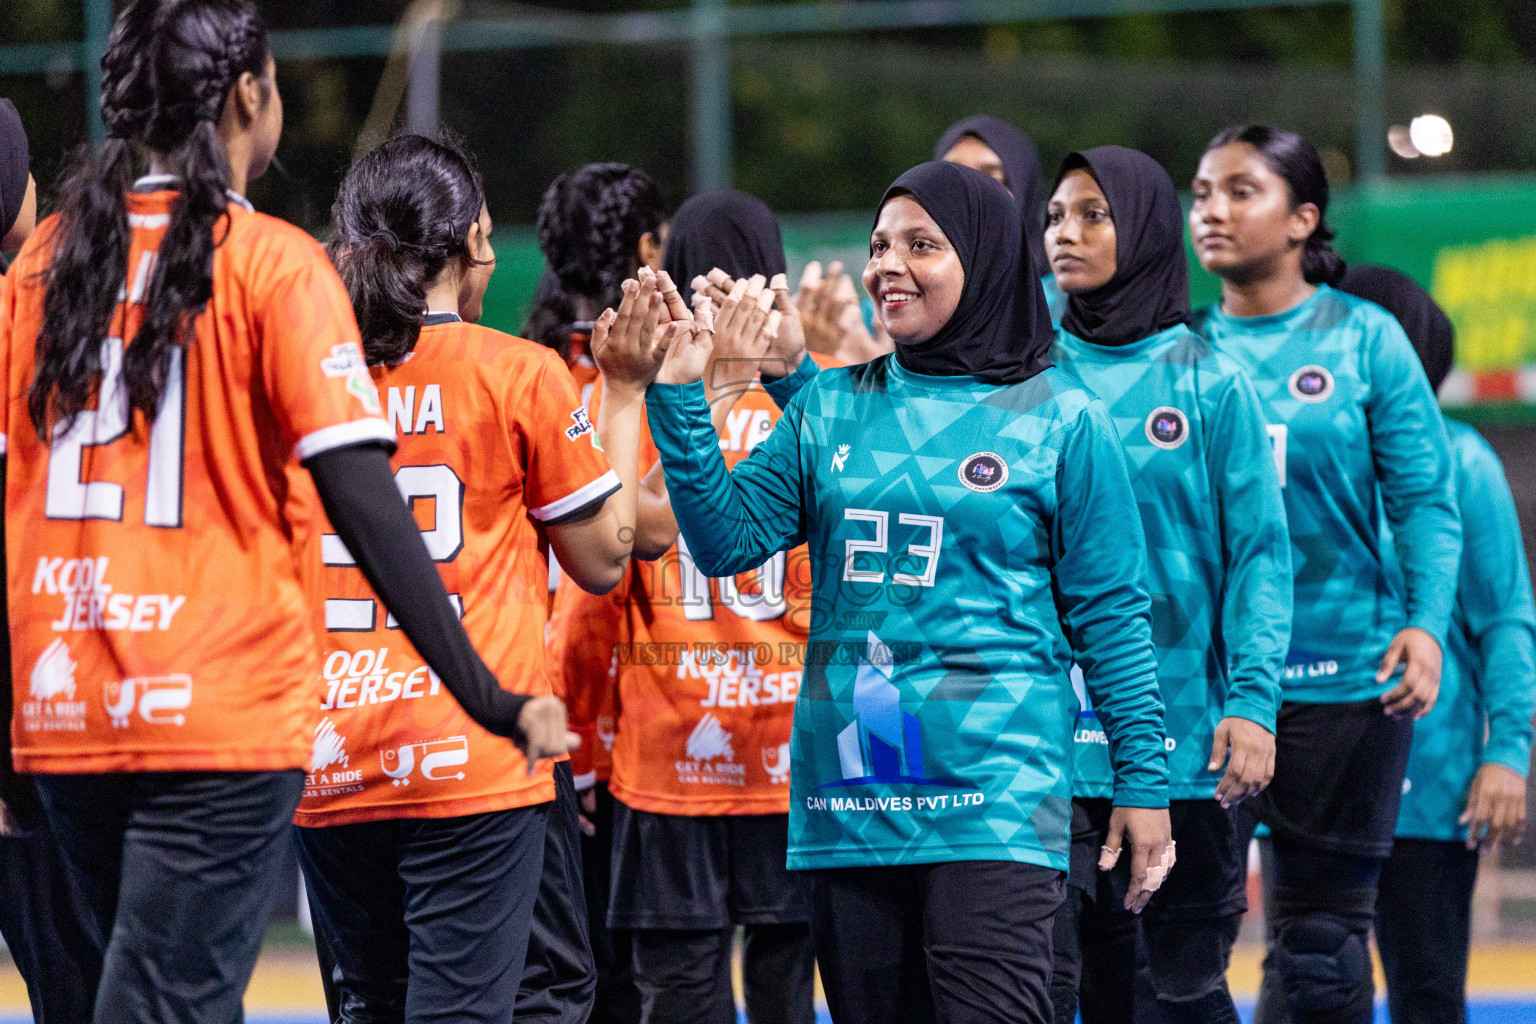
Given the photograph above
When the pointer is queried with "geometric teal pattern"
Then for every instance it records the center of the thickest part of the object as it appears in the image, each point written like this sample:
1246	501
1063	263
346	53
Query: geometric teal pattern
1219	556
1488	683
968	543
1359	434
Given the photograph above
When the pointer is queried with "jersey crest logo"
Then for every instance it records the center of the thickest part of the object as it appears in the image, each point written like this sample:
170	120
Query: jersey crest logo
1167	427
841	458
710	740
776	764
984	472
54	674
330	747
1311	384
436	755
581	424
160	699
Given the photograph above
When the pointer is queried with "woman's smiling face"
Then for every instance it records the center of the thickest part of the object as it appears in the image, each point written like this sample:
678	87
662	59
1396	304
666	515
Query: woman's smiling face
914	274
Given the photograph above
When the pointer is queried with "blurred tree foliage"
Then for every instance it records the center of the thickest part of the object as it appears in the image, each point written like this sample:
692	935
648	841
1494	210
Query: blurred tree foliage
824	122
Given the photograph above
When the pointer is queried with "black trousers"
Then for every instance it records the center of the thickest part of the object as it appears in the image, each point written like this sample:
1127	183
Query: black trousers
684	977
1423	931
967	942
426	919
44	925
1332	810
616	1000
680	885
559	977
176	872
1189	925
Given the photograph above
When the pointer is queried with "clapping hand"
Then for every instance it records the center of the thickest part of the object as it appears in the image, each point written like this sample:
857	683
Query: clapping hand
778	343
629	344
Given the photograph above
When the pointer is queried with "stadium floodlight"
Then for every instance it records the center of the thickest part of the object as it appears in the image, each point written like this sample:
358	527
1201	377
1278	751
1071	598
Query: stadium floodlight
1431	134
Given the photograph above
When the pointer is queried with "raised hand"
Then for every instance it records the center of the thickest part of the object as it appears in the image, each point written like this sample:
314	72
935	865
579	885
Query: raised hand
625	343
742	336
821	307
782	338
688	346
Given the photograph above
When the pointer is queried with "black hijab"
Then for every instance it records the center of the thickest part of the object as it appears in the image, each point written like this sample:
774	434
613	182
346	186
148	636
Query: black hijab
1021	168
726	229
1150	290
13	165
1000	330
1425	323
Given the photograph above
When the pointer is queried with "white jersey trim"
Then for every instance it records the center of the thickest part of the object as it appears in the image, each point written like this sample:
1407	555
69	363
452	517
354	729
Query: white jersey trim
580	498
340	435
585	781
2	444
159	181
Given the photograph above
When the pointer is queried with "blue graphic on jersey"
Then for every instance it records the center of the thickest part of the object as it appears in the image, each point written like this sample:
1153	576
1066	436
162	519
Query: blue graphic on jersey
883	744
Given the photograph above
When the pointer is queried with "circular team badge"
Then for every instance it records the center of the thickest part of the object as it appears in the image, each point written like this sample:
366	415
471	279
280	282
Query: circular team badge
984	471
1167	427
1312	384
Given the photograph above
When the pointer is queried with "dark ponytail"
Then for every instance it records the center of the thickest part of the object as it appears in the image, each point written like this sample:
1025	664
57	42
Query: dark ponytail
403	213
590	221
168	69
1295	159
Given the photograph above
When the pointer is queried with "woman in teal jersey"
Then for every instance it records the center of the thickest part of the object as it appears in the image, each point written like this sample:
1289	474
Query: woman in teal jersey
1356	433
1008	156
1219	571
1465	786
972	532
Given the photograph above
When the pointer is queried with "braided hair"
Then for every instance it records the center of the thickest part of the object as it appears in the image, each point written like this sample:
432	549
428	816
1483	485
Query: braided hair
403	213
590	222
166	74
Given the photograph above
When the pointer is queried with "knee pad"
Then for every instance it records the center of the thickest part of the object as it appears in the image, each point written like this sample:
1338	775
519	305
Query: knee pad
1323	954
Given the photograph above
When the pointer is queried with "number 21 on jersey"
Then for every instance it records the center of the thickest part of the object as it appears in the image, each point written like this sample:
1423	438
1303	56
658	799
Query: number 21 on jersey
70	497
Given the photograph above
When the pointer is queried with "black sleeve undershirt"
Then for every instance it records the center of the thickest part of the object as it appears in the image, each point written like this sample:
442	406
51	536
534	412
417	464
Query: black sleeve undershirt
357	487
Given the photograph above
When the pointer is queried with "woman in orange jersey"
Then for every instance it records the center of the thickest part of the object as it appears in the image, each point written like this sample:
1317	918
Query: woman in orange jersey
40	917
598	225
167	352
708	672
422	837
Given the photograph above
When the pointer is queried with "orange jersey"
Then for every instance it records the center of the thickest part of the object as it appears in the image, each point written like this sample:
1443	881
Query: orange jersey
158	619
583	629
708	670
493	440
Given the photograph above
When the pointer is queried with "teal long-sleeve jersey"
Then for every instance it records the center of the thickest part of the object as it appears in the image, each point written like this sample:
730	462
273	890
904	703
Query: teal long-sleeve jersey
1488	682
1356	433
1219	556
968	543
